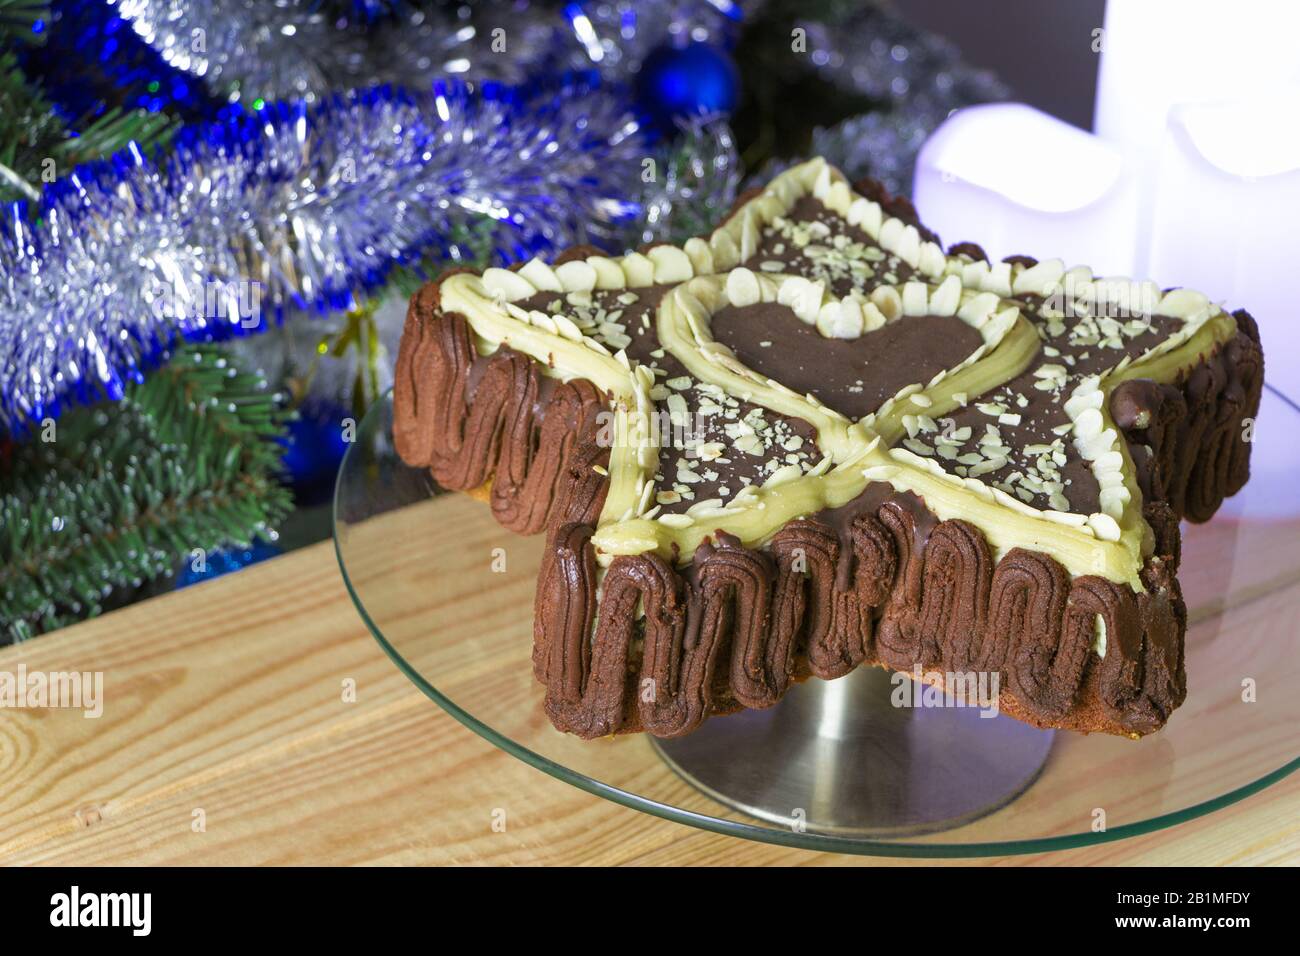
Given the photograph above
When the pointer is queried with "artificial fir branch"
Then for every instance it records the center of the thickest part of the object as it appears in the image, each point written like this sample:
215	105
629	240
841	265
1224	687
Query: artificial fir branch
187	460
36	144
18	20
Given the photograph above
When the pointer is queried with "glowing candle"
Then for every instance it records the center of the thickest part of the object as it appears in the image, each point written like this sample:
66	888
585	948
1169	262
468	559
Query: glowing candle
1017	180
1225	214
1157	54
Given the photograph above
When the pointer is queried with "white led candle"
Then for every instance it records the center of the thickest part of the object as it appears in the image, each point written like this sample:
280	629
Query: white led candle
1158	54
1017	180
1225	215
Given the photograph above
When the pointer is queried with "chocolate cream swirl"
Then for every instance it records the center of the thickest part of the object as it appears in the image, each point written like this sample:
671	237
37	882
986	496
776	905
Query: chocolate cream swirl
889	585
1188	439
470	419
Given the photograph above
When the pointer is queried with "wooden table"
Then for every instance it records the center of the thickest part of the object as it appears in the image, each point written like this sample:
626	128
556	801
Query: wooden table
229	698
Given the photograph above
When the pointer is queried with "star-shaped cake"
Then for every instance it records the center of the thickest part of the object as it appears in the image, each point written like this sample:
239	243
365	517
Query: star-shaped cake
815	440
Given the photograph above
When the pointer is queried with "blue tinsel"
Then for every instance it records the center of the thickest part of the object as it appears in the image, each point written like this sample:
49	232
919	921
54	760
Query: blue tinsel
142	52
114	67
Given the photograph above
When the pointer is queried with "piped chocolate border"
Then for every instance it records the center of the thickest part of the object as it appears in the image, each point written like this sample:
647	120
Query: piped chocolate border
893	587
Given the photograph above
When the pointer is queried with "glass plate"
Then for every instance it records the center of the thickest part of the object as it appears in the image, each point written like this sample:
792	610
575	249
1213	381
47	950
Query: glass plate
449	596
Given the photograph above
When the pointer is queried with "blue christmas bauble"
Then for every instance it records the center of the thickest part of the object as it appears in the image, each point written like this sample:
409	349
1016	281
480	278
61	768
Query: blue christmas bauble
314	450
200	567
687	81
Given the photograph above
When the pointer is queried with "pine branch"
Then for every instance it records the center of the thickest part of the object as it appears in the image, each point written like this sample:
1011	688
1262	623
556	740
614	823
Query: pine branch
37	146
19	20
187	460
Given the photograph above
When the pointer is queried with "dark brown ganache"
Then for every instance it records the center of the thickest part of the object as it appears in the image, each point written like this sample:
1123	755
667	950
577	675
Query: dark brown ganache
877	581
471	419
1016	436
816	242
852	376
1189	440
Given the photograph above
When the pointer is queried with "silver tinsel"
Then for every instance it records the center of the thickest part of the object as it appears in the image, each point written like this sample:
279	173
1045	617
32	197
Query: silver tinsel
269	48
306	209
695	182
294	210
291	49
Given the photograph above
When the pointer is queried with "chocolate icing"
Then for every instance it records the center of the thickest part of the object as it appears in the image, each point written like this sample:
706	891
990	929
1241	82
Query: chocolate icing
1040	410
721	478
1189	440
812	241
468	418
625	319
852	376
971	250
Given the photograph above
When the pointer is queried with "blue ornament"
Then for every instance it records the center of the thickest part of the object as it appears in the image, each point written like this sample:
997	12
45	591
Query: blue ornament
317	441
687	81
224	561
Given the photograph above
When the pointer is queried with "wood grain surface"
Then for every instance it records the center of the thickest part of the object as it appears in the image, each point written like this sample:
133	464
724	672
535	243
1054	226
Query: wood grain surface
229	697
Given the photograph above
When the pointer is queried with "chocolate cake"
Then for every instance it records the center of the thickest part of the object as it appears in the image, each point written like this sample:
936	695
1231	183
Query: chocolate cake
815	440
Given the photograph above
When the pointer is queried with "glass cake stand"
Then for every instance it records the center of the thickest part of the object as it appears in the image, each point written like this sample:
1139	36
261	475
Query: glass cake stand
835	766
